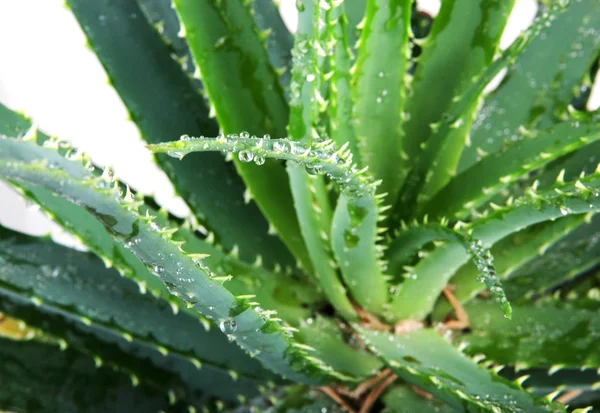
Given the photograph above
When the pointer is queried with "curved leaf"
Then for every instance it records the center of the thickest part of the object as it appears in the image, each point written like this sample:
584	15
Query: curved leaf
510	254
183	274
493	173
425	359
379	91
144	60
40	377
534	95
244	90
542	334
433	272
461	44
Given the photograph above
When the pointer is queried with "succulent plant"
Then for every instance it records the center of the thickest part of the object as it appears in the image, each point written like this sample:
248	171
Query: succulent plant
372	229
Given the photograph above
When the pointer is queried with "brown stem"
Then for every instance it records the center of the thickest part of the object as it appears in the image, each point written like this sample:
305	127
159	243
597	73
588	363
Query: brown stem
337	398
568	396
462	320
366	385
375	393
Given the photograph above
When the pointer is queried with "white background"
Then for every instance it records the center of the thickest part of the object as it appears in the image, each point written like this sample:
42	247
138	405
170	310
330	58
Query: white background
48	73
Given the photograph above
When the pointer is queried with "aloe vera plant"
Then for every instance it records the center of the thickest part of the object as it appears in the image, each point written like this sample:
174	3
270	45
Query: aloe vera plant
371	230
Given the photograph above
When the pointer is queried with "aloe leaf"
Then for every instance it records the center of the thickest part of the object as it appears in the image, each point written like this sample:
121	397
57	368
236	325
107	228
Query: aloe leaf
340	95
180	109
39	376
328	340
250	279
433	272
535	96
355	12
401	399
379	90
184	382
544	381
279	41
572	256
541	334
454	54
420	175
310	194
354	242
78	287
244	90
164	19
510	254
427	360
267	339
482	258
572	165
493	173
355	218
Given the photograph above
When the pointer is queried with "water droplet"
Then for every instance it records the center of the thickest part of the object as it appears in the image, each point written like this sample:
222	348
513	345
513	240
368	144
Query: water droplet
281	147
245	156
184	138
157	269
300	5
381	74
259	160
267	136
177	155
351	240
228	326
244	135
310	77
312	169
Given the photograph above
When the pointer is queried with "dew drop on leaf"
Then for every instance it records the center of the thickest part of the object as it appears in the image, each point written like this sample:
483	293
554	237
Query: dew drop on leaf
259	160
245	156
228	326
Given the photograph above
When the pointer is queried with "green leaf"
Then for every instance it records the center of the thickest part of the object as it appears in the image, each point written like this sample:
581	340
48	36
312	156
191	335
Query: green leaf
310	194
400	399
355	11
355	215
544	381
433	272
572	256
340	94
425	359
379	90
142	60
354	242
534	95
420	234
185	276
40	377
279	41
419	176
478	184
329	342
461	44
77	286
244	89
510	254
193	384
541	334
164	19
